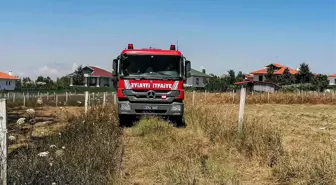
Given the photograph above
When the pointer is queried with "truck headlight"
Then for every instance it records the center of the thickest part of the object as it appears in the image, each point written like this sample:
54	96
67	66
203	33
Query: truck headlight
125	106
176	108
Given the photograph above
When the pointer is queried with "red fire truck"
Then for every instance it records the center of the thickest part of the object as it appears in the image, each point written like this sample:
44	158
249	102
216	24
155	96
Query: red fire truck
150	82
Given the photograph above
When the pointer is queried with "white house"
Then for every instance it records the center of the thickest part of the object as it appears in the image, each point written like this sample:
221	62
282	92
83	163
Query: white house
95	77
332	79
197	79
7	81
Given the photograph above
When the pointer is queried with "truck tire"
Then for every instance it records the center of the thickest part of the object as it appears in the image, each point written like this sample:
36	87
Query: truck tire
179	121
125	120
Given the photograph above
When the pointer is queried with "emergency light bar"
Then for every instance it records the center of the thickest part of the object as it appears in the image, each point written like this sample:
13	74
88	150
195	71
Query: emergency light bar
172	47
130	46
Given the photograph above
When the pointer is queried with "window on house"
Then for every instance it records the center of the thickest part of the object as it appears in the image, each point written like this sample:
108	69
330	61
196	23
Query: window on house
335	81
197	81
260	78
9	83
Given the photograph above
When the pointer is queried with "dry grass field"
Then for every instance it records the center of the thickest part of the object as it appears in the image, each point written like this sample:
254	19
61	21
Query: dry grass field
288	139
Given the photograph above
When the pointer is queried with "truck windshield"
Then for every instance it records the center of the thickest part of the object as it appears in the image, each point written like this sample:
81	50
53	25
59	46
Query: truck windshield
151	66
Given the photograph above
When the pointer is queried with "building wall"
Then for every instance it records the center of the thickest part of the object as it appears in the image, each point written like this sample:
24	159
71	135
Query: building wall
102	81
256	78
332	80
196	81
7	84
264	87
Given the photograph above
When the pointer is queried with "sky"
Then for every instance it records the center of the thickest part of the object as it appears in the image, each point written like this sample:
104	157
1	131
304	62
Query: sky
49	38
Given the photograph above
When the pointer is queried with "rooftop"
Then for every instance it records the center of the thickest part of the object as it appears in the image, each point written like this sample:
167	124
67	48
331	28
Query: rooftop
253	82
96	71
280	70
6	76
332	75
198	73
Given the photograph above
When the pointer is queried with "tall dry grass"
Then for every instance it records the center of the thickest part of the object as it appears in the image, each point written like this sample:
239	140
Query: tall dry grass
262	98
208	151
86	152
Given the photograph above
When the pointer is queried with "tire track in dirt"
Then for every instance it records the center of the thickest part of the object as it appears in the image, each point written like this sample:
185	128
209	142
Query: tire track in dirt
126	154
132	158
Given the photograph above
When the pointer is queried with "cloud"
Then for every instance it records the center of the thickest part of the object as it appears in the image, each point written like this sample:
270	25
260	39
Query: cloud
55	69
74	66
46	70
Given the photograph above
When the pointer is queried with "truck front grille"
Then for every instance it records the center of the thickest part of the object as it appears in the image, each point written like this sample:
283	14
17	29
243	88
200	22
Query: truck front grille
150	111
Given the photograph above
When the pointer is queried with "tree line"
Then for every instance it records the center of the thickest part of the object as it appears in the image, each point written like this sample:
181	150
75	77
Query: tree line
303	80
46	83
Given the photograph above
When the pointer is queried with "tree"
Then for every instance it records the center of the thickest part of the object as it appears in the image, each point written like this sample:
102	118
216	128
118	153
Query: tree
270	75
286	78
18	84
232	76
27	82
240	76
78	77
320	82
62	83
217	84
304	75
44	83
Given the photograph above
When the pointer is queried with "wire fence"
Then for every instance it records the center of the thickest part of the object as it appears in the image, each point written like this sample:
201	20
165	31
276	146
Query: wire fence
191	97
55	100
233	97
88	99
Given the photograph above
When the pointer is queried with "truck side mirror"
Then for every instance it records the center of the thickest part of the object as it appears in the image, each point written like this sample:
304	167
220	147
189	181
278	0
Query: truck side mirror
114	67
187	68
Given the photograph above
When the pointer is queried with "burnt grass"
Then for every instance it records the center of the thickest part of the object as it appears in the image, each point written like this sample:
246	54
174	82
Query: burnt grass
87	151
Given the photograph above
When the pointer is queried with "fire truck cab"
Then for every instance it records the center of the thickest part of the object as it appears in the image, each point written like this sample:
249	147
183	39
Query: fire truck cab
150	82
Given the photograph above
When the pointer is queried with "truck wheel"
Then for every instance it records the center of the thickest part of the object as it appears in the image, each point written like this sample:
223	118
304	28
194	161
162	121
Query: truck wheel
125	120
179	121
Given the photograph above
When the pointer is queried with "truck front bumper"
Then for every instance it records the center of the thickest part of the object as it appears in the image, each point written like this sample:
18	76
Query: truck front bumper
174	109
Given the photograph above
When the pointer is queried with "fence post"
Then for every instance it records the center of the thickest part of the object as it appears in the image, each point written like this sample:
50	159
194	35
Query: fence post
193	97
205	94
86	101
233	96
89	99
93	99
115	98
241	109
66	97
56	100
14	97
24	100
3	122
104	99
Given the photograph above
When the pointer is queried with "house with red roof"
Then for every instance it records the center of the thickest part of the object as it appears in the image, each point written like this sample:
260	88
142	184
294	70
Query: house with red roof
260	75
95	77
332	79
7	81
